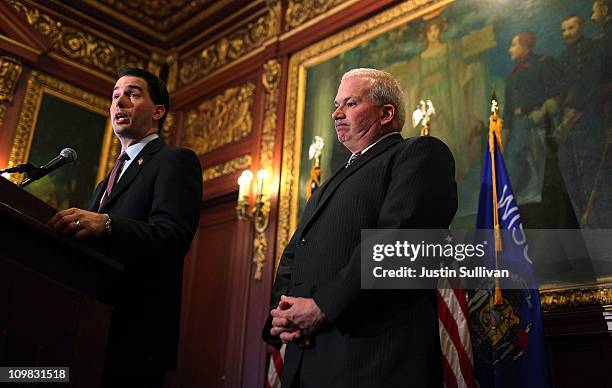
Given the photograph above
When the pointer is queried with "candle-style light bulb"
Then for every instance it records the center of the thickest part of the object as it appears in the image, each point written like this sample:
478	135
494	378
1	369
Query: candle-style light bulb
244	182
262	175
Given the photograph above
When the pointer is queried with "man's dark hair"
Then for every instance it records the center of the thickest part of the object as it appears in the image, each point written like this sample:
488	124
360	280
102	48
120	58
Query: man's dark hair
578	17
156	87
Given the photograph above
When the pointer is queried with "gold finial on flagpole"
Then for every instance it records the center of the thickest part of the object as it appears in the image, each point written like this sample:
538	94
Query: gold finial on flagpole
495	121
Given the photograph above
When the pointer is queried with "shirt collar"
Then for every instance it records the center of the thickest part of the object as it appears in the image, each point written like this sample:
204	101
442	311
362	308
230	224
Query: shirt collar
135	149
363	151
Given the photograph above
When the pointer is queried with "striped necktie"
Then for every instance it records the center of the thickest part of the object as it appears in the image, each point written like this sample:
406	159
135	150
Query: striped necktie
112	179
352	159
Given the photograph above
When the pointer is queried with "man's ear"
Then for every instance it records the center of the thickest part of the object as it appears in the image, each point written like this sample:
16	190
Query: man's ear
159	112
387	114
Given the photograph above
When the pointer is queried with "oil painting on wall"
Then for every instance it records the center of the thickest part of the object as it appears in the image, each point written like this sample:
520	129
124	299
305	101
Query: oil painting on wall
61	124
549	62
57	115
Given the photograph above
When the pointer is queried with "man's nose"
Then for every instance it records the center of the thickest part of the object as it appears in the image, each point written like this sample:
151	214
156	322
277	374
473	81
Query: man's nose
337	113
121	102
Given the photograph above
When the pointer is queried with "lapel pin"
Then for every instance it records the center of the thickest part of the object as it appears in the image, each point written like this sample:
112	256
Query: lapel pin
140	161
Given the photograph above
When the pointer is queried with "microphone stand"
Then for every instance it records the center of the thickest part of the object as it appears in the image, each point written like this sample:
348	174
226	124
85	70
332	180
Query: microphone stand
26	168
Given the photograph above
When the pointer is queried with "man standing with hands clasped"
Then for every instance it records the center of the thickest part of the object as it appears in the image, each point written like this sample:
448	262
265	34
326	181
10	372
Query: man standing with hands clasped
337	334
146	213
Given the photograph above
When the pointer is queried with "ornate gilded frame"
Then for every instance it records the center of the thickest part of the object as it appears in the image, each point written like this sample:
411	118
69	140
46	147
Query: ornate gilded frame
552	298
38	85
296	94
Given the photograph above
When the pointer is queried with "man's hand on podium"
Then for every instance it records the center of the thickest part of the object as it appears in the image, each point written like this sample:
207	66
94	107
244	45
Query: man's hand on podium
78	223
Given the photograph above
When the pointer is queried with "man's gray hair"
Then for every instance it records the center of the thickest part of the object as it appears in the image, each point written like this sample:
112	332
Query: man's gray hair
385	90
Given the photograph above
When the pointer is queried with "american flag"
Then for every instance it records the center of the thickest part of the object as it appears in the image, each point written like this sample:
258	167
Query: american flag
275	369
457	358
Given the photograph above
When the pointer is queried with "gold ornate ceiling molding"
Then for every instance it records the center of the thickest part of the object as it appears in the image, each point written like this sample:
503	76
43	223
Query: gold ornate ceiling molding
222	120
231	166
300	11
79	46
231	48
10	70
161	15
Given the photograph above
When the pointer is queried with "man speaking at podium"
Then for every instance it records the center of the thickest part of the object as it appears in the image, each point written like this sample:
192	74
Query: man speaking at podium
145	214
337	334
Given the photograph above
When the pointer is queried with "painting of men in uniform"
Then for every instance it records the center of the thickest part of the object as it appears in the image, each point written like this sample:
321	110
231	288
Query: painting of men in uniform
549	63
526	108
581	133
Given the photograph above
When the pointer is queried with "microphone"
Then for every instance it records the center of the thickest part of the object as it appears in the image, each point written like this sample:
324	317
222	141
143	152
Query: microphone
68	155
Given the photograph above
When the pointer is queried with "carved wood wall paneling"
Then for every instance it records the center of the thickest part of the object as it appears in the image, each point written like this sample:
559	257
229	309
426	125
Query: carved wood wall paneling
74	12
222	10
10	70
327	23
157	63
220	120
231	166
138	18
225	184
218	27
160	15
216	282
186	97
269	145
299	12
235	46
14	26
76	44
11	117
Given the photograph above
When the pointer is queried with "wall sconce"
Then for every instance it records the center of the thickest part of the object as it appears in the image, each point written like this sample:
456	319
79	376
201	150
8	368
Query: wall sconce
260	214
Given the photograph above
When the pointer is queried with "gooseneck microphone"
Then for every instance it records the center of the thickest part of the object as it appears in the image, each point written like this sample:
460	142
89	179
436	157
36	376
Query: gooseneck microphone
68	155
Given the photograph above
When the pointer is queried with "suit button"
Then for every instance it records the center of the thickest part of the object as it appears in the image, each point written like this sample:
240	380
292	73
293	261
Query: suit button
302	242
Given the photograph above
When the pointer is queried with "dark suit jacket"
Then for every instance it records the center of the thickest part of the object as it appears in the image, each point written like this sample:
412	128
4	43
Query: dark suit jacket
155	208
375	338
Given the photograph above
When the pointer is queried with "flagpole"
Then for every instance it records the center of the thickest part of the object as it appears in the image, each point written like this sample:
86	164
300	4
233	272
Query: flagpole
495	126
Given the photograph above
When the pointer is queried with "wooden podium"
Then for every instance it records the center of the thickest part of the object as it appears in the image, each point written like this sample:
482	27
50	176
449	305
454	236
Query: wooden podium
54	307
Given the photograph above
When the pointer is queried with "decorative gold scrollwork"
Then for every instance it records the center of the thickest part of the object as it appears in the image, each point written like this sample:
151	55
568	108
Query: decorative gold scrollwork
221	120
260	243
158	61
10	70
167	127
78	45
300	11
261	213
231	47
159	14
217	171
579	297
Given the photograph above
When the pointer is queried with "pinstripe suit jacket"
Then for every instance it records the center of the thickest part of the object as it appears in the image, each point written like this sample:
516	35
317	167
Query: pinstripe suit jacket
374	338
